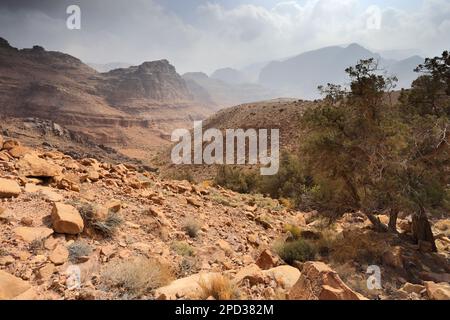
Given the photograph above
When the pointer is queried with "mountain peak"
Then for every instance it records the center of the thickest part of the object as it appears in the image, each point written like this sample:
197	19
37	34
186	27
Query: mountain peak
4	43
355	46
156	66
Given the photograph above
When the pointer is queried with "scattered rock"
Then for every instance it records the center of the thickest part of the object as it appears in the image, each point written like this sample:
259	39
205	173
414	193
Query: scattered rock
13	288
33	166
59	255
66	219
9	188
252	273
193	202
225	246
46	272
27	221
412	288
9	144
187	288
438	291
46	192
29	234
285	276
319	282
266	260
19	151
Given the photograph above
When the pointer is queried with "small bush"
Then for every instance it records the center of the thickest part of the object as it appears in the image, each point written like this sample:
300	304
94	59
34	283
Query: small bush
220	288
325	244
137	276
183	249
299	250
109	226
106	227
192	227
79	249
219	199
364	248
293	230
188	266
236	179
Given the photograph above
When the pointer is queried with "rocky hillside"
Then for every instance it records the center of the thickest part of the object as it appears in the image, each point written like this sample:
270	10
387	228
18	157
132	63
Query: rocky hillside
85	229
282	114
112	108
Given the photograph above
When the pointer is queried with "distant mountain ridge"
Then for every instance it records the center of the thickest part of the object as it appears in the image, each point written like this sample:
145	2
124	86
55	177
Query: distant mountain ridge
226	94
300	75
111	107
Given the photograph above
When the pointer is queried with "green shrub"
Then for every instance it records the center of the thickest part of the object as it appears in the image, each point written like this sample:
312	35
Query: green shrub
183	249
236	179
298	250
293	230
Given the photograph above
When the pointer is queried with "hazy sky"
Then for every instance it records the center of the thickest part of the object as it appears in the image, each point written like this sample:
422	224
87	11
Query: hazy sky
202	35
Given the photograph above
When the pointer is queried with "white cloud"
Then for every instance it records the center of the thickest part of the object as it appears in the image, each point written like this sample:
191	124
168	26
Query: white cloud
221	36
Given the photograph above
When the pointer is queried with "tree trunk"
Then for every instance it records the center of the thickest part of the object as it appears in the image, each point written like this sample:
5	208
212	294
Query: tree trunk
392	227
421	229
378	225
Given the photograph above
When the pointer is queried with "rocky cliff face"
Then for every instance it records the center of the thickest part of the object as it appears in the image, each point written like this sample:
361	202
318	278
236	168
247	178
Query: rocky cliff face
51	85
156	81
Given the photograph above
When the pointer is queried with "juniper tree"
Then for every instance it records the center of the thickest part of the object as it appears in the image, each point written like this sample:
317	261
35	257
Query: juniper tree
353	143
367	153
426	110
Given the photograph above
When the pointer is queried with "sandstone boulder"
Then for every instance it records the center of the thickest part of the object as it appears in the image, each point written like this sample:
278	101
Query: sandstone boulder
91	175
412	288
59	255
66	219
285	276
188	288
33	166
19	151
266	260
46	192
29	234
46	272
5	156
9	188
13	288
224	245
252	273
319	282
438	291
9	144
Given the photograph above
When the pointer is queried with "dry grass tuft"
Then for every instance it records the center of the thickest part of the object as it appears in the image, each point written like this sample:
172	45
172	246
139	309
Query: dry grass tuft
220	288
192	227
137	276
364	248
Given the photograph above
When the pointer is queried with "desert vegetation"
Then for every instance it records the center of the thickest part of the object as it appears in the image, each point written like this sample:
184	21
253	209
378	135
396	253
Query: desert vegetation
365	149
